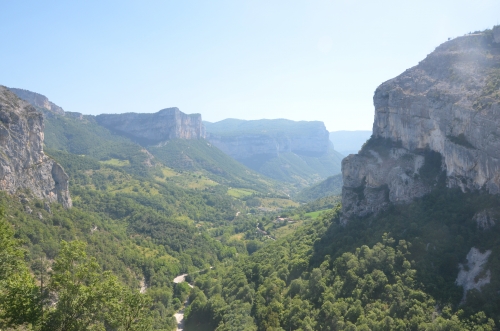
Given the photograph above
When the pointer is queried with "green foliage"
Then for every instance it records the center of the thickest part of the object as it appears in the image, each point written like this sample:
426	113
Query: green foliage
326	276
193	155
88	298
19	296
328	187
491	91
86	137
79	296
300	170
297	168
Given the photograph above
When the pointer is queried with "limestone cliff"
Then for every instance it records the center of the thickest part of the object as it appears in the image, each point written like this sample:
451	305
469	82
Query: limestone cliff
439	120
148	129
39	101
23	165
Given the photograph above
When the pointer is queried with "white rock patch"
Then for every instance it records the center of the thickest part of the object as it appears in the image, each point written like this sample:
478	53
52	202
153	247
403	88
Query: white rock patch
484	219
468	273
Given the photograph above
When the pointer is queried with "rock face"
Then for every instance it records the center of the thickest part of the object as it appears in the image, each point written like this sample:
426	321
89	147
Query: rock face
437	120
23	165
148	129
244	139
472	275
38	101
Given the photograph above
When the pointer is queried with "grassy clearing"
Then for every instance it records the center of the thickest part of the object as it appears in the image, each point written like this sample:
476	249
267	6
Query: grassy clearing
116	162
315	214
277	203
289	228
195	181
239	192
238	236
148	252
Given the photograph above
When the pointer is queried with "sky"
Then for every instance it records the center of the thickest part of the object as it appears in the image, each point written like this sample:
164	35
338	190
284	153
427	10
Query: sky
301	59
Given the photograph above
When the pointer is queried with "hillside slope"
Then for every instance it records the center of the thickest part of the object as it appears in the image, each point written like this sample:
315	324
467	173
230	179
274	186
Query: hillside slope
176	142
295	152
142	221
328	187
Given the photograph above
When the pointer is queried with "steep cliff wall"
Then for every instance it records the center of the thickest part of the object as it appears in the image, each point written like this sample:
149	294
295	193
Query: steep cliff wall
39	101
437	120
169	123
23	165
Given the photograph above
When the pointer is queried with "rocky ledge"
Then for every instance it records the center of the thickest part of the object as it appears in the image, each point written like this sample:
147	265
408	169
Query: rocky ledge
439	120
23	165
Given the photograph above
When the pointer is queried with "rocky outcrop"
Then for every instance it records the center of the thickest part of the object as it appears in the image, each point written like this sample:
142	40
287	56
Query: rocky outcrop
149	129
23	165
437	120
473	275
246	139
485	219
41	102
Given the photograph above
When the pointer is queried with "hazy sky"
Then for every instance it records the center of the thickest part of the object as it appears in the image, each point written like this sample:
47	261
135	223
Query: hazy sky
301	60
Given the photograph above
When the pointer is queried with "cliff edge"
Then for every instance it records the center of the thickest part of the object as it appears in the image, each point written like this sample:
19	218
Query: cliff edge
436	123
150	129
23	165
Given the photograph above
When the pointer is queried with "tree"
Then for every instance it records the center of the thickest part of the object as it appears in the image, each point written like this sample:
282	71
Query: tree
19	295
87	298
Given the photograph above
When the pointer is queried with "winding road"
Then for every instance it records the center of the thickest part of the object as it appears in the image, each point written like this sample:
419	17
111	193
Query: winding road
179	316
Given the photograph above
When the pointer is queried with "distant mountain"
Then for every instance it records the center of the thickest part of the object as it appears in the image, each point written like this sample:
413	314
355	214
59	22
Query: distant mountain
349	142
153	128
290	151
142	142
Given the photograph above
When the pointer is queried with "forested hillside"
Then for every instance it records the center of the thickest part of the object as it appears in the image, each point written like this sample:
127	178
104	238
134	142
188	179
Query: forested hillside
328	187
396	272
134	226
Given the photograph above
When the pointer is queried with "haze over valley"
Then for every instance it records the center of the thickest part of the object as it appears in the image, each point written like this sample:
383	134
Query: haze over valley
238	179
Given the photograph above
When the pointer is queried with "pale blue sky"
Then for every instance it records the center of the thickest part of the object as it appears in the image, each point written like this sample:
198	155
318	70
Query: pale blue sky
301	60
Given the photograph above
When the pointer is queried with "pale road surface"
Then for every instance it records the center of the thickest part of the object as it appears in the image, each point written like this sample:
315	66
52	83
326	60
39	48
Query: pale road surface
180	278
179	316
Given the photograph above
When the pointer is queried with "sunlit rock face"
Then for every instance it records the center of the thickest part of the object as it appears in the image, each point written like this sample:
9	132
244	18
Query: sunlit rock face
38	101
23	165
167	124
439	119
